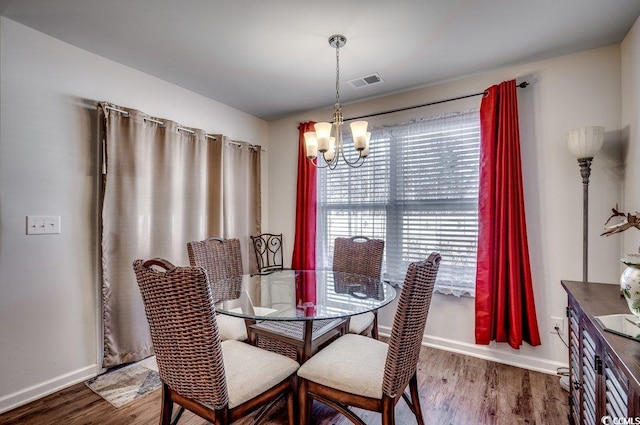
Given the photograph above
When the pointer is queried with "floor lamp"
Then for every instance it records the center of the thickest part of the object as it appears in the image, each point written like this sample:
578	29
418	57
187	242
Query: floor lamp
584	143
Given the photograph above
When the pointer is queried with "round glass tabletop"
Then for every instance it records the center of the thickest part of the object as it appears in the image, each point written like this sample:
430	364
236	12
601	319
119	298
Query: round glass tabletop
300	295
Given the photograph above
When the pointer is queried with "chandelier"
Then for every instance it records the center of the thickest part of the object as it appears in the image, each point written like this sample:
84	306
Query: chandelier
326	141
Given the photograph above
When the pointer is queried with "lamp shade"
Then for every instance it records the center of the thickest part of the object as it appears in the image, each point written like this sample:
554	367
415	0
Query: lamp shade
365	152
323	131
359	132
311	144
331	151
585	142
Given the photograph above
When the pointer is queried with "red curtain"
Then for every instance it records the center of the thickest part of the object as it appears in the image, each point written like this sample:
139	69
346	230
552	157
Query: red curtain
505	308
304	246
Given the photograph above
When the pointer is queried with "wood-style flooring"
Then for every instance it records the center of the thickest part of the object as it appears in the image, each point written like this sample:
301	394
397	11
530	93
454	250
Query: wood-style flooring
454	389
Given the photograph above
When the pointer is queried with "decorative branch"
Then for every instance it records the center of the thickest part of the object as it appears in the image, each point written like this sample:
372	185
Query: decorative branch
631	220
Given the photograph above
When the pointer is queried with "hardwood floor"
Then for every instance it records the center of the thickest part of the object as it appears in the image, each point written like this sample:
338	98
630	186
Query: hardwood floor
455	389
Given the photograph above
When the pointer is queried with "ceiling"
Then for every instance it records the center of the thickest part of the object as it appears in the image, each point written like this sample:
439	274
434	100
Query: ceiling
272	59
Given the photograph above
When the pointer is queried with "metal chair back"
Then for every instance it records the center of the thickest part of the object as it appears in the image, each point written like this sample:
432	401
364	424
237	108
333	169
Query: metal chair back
268	250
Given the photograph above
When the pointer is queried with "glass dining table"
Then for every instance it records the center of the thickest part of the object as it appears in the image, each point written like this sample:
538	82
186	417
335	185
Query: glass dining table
296	312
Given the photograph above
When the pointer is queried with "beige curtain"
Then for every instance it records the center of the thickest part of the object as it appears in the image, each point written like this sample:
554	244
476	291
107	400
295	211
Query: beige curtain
163	188
242	196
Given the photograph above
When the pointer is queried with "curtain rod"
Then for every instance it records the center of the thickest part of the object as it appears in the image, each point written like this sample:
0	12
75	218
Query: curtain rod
188	130
160	123
521	85
249	146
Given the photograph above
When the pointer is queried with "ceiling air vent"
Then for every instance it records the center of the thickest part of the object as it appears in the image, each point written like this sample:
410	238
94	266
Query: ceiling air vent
366	81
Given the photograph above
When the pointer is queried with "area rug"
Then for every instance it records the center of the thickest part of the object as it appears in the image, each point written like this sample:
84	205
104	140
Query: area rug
125	384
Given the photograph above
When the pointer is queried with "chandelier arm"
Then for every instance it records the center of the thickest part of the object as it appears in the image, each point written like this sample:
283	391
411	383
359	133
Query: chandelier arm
317	164
334	161
353	164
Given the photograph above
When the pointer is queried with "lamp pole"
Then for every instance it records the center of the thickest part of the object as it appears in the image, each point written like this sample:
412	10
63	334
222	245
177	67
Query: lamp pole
585	172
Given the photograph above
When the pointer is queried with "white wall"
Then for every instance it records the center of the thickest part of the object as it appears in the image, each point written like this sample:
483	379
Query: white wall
567	92
631	136
48	293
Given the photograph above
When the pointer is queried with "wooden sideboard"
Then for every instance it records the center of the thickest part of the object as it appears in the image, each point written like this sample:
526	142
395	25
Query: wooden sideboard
605	367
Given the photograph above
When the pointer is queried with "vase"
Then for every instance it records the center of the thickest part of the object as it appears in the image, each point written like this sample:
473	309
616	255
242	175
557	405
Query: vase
630	284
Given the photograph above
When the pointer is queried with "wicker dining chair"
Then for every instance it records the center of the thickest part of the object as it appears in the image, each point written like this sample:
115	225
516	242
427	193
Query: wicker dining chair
363	256
268	251
222	260
369	374
218	381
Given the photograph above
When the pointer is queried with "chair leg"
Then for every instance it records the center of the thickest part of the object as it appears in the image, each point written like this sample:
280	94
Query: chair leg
388	411
176	417
221	416
374	331
304	402
167	406
291	416
415	398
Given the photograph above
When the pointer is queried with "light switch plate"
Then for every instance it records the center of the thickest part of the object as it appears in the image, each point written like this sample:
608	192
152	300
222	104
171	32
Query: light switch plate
43	224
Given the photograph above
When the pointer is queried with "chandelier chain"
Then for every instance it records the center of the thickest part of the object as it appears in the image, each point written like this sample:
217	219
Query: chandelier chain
338	74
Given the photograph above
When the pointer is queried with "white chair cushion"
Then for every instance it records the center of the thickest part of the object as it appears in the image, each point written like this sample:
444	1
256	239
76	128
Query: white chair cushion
360	322
231	328
352	363
251	370
234	328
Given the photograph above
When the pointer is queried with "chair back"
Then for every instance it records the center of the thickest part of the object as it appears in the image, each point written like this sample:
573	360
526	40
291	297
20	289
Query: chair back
222	260
182	319
268	250
409	323
358	255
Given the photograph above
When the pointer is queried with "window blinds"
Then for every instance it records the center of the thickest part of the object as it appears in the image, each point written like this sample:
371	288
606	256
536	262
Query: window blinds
418	190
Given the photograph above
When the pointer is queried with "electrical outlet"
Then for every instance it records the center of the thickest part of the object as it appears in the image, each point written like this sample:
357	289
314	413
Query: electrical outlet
556	323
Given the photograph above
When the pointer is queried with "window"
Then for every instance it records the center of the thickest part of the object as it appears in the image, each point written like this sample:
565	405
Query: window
418	190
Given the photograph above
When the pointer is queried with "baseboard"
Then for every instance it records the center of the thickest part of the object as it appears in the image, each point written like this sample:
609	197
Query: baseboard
43	389
487	353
